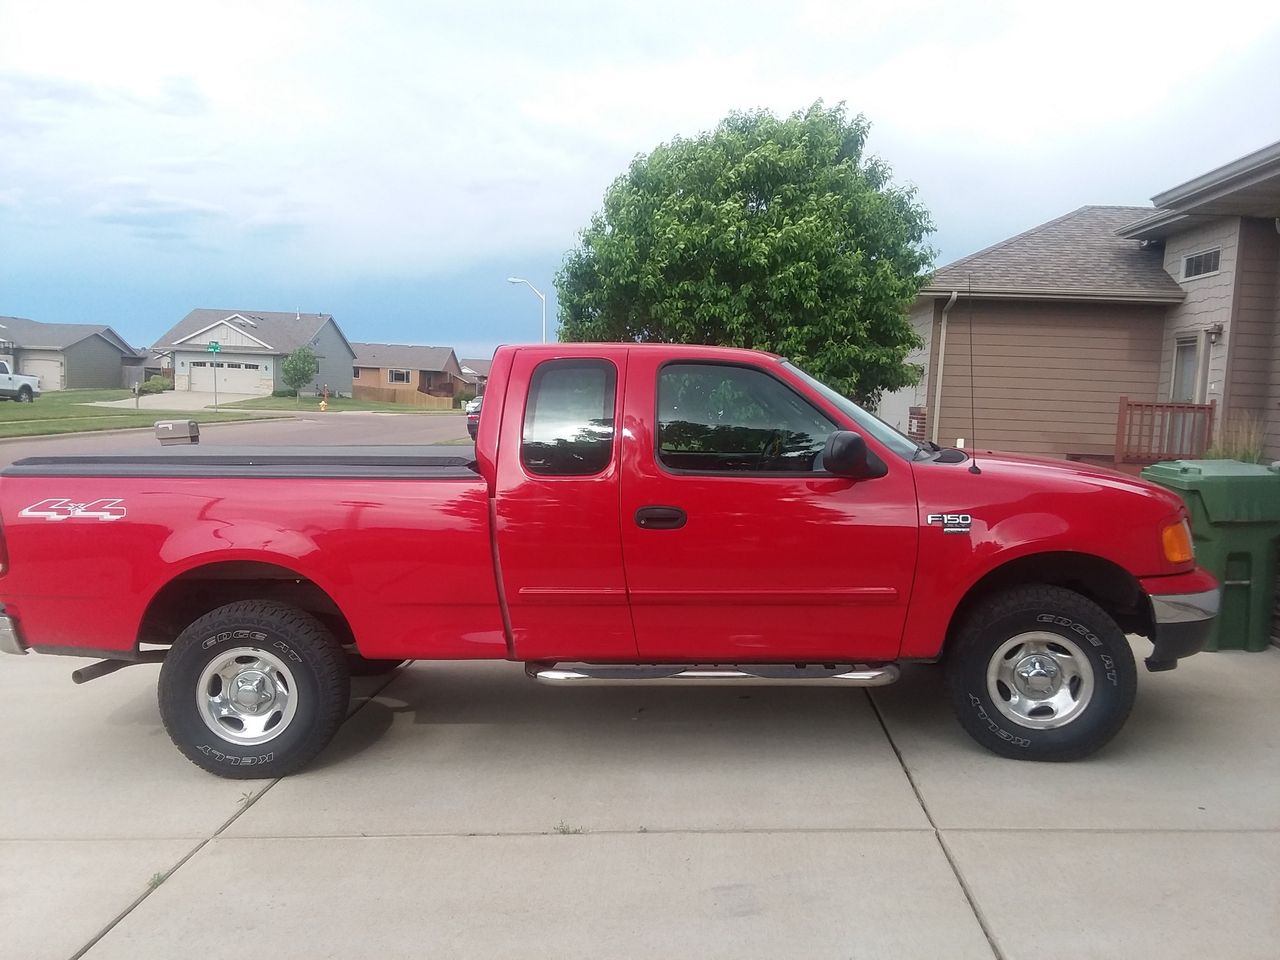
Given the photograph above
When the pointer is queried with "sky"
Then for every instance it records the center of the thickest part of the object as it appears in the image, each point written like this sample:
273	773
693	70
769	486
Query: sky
393	163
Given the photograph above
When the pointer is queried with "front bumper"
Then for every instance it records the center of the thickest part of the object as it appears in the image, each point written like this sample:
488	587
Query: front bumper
9	640
1183	622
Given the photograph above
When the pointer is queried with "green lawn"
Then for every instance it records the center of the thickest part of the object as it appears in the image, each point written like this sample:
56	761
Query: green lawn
63	411
312	404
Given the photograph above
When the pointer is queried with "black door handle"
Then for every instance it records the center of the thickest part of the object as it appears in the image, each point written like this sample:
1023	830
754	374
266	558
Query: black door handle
661	518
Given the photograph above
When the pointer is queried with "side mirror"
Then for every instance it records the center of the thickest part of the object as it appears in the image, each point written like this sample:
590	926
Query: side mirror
846	455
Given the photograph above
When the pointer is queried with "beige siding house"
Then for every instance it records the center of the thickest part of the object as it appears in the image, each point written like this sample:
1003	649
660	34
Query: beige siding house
1171	312
406	373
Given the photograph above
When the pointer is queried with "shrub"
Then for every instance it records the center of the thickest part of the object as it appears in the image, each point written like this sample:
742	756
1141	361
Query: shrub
284	392
155	384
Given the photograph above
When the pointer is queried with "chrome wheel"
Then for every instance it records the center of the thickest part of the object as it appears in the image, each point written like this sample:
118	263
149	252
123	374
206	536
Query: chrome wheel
1040	680
247	696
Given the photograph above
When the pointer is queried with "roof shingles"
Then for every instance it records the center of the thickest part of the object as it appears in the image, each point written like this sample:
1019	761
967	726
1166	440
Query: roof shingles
285	332
402	356
1077	255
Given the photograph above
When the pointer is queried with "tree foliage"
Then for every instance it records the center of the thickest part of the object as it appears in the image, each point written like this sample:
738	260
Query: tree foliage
299	368
776	234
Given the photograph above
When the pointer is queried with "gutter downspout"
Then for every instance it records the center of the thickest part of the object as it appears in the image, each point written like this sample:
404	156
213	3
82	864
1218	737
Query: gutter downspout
942	358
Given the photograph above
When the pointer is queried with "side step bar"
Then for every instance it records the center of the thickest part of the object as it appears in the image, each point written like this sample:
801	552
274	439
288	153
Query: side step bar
735	674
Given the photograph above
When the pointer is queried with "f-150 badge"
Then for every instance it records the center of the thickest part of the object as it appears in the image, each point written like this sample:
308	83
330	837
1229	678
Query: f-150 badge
61	509
952	522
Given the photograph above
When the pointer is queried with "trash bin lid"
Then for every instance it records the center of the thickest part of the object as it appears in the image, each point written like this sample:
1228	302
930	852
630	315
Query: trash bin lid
1232	492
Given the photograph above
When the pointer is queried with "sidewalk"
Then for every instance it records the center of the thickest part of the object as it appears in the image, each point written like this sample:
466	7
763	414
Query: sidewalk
466	812
174	400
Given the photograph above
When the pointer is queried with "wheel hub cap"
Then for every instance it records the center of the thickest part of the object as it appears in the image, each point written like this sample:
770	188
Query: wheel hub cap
247	696
253	690
1037	676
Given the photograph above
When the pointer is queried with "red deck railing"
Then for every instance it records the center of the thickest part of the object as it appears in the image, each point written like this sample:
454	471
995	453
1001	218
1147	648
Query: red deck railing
1149	432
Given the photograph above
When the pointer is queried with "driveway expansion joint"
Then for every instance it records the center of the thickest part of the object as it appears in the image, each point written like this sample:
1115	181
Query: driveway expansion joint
247	804
942	843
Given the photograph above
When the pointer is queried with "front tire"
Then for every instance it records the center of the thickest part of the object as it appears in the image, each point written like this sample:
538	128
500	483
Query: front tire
1041	673
254	690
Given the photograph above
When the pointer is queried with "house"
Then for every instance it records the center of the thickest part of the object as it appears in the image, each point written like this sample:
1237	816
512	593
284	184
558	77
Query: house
66	356
407	373
476	373
250	347
1111	334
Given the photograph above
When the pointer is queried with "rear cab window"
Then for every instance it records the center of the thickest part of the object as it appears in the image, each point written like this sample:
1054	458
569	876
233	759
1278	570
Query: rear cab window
568	418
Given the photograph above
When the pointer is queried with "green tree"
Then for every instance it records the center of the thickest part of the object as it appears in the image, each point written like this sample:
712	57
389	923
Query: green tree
776	234
299	368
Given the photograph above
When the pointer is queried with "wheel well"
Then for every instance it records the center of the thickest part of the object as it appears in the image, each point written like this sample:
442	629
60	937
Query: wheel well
187	597
1108	585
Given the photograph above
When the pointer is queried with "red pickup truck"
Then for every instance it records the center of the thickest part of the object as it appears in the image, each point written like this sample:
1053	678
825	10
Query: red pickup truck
632	514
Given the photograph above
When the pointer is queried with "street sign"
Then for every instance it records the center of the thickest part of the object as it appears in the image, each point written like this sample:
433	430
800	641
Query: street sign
215	346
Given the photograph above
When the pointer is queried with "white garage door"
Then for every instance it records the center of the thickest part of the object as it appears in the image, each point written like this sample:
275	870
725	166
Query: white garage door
234	376
49	372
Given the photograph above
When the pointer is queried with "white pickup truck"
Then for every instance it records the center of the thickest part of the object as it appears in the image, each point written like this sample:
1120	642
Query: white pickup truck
17	386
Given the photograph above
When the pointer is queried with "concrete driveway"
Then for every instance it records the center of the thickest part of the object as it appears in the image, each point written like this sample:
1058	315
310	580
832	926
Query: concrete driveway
464	811
174	400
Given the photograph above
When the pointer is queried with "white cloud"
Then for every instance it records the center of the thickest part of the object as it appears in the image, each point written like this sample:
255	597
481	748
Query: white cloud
405	136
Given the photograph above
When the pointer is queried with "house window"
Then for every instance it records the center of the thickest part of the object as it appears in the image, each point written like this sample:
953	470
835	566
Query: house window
398	376
355	373
1200	264
251	366
199	363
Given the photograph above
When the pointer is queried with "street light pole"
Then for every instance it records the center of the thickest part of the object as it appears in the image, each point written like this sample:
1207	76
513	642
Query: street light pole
540	297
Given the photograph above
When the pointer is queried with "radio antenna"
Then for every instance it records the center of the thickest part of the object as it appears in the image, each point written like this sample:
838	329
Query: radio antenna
973	416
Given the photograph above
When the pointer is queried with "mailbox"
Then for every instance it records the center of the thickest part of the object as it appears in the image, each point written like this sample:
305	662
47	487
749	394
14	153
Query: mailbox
171	432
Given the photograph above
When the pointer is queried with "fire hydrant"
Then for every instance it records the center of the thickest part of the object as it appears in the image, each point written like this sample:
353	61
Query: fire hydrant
324	401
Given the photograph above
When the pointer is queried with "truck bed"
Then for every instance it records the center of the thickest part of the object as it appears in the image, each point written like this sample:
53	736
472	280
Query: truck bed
388	462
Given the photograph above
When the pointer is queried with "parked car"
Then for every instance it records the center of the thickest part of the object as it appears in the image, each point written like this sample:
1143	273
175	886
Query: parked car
746	525
473	416
472	405
17	386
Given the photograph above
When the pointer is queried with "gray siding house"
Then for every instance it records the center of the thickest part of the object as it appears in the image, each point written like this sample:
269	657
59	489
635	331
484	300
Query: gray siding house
66	356
252	345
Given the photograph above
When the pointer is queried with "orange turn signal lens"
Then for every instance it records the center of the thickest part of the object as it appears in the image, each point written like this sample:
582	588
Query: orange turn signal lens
1177	543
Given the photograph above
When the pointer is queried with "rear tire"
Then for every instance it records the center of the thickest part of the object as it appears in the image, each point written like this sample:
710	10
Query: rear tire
254	690
1041	673
25	395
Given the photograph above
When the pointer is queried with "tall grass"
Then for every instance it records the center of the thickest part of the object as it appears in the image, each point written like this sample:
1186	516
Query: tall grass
1242	437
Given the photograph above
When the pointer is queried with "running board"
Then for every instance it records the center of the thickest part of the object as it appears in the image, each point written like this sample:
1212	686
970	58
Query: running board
735	674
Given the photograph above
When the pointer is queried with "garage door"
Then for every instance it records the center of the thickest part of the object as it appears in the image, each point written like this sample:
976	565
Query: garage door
234	376
49	372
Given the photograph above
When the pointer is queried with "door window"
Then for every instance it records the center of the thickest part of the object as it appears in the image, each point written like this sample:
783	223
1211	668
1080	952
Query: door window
568	418
715	418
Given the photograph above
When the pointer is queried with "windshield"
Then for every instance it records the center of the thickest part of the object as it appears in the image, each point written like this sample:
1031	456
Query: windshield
891	438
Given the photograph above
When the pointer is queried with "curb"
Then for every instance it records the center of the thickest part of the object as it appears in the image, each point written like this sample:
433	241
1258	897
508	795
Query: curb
98	433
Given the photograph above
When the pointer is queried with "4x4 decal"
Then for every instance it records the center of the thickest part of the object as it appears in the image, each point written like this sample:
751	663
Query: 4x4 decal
63	509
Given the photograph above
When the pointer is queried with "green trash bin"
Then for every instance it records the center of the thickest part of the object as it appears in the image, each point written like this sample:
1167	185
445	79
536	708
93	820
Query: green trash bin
1235	520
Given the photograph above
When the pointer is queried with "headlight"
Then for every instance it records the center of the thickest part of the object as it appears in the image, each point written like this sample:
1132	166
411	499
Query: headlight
1176	538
